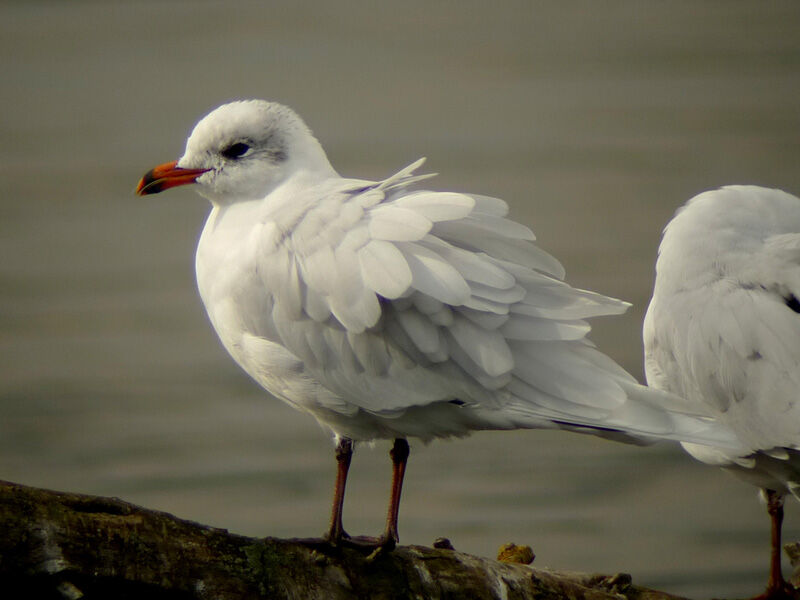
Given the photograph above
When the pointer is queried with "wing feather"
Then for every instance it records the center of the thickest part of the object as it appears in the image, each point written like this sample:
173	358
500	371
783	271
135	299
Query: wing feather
487	348
437	206
487	320
500	296
522	327
384	269
423	333
434	276
321	270
517	250
395	224
490	206
473	267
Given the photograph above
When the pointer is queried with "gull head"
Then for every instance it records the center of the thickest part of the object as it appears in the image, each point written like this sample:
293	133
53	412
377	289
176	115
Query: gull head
241	151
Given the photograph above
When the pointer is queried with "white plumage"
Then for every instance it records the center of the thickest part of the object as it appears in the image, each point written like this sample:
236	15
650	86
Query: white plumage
723	330
389	311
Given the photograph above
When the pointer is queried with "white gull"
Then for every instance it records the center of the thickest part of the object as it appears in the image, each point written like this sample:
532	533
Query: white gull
389	311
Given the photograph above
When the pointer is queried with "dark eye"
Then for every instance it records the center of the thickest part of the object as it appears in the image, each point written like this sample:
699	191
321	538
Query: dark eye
235	150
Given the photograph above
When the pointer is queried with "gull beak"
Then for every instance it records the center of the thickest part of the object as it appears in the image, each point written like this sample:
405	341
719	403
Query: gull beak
165	176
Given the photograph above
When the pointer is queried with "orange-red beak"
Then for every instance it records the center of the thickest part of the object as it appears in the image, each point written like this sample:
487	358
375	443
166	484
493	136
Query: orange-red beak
165	176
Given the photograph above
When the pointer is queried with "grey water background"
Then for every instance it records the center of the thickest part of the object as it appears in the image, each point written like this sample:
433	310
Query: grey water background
595	120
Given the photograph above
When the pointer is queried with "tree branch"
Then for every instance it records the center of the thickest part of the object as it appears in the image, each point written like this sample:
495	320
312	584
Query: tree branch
70	546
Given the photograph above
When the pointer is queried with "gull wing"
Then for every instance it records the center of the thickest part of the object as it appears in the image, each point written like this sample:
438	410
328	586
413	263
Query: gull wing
395	298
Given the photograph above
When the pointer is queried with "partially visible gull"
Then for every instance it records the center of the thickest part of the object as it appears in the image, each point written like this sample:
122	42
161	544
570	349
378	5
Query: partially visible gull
723	331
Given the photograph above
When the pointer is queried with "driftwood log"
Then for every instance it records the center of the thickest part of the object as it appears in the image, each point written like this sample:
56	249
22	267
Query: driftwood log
70	546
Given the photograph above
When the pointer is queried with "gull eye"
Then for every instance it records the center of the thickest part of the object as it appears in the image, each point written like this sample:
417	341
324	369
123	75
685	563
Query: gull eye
235	150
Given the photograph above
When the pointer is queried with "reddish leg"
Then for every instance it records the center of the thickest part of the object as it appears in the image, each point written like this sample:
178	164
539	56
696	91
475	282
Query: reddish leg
399	454
387	541
344	453
777	587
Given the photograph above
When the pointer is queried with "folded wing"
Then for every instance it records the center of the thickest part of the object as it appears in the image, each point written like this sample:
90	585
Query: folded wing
396	298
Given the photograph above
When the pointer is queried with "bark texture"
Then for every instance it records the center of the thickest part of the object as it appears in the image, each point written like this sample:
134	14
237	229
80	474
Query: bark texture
69	546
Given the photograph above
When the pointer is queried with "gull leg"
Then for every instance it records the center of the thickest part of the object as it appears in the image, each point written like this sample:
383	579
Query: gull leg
399	454
387	541
344	453
777	587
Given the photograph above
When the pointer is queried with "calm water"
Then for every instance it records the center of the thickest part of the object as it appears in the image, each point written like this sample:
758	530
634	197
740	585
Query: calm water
595	120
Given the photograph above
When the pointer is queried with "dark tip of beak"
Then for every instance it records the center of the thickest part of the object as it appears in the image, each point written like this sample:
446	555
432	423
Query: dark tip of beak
150	183
165	176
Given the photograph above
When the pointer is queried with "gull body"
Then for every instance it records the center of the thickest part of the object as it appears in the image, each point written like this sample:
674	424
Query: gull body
389	311
723	331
